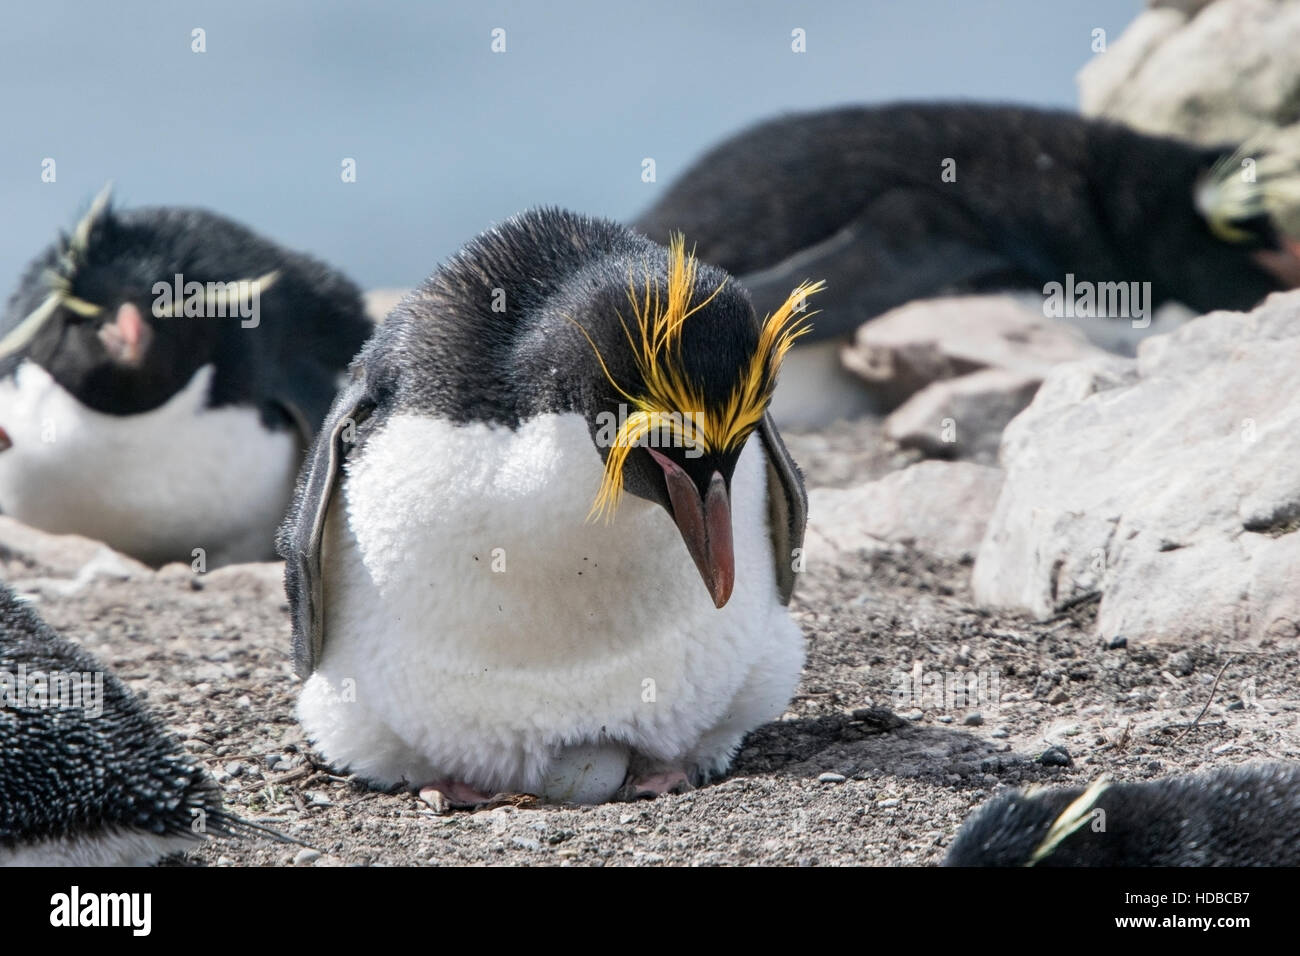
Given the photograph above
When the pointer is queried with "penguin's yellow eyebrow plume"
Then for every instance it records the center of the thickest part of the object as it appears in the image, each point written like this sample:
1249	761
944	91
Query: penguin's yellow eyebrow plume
59	280
1071	819
671	406
1261	177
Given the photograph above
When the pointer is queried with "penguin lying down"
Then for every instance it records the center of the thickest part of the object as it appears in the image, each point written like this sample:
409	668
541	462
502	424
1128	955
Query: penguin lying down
1234	816
88	777
913	200
161	373
547	536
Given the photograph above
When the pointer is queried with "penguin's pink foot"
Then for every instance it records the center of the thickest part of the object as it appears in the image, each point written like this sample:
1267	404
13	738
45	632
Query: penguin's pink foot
445	795
653	785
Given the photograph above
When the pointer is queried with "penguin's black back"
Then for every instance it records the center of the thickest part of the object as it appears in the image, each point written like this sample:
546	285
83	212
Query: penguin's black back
312	319
1037	194
1236	816
68	773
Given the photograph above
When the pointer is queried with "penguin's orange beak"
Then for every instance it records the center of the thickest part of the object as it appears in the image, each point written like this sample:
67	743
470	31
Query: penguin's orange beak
127	337
705	524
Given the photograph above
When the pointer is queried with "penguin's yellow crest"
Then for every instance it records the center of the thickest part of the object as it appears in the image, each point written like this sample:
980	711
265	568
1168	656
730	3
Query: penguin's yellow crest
671	406
1260	178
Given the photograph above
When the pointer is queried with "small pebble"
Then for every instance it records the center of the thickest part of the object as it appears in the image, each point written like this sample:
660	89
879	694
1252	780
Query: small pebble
1060	697
973	720
526	843
1235	705
1055	757
912	715
1000	733
832	778
436	799
1118	642
945	718
306	855
887	804
317	799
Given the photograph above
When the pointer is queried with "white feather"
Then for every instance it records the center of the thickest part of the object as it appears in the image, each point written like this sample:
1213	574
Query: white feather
476	625
155	485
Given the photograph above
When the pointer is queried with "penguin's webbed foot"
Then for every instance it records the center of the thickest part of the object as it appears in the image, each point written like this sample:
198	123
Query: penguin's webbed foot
446	795
651	785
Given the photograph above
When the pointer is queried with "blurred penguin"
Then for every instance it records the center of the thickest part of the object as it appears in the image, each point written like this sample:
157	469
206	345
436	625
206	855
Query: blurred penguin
161	374
910	201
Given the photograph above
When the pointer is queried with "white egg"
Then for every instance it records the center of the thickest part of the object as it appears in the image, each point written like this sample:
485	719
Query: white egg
585	773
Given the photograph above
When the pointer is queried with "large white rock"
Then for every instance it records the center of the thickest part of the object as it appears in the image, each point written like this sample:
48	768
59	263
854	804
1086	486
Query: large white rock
930	340
1170	484
956	370
937	507
962	417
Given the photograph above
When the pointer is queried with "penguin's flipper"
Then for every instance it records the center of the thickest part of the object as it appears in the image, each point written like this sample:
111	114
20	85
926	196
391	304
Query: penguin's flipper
303	529
303	393
787	504
905	245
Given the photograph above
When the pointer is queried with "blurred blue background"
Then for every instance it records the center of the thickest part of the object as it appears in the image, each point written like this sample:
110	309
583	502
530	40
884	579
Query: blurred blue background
449	137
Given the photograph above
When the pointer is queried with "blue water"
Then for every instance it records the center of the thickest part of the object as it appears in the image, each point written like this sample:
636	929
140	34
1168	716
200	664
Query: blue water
449	137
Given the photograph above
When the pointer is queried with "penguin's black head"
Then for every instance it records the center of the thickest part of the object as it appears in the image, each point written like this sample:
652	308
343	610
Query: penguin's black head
89	311
1029	828
1238	195
683	373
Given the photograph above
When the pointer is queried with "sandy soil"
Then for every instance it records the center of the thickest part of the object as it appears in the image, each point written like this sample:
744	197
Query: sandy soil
858	771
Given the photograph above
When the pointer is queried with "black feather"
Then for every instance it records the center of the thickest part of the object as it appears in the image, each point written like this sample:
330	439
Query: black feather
1235	816
69	771
856	196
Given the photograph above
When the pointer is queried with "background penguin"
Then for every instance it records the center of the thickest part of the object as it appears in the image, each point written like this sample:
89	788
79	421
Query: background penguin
466	614
1235	816
858	197
96	781
158	425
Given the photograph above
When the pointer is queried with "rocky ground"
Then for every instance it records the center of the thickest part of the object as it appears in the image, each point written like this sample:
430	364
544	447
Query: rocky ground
864	768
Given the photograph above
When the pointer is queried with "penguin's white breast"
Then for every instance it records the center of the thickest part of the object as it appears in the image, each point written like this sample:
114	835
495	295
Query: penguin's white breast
476	606
155	485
